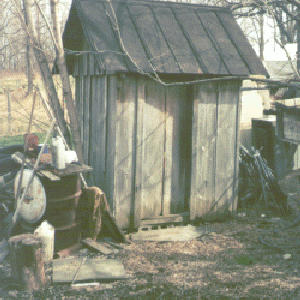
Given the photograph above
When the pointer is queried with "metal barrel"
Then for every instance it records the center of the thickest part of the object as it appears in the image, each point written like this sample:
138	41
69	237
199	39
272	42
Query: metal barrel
62	199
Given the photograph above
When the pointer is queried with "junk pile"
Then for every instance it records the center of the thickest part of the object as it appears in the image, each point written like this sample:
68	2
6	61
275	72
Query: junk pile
45	212
258	187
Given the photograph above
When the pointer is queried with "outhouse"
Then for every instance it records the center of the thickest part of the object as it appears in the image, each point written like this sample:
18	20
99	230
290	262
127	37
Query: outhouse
157	95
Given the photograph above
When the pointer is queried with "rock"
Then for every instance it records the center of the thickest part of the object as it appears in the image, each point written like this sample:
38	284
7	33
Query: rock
287	256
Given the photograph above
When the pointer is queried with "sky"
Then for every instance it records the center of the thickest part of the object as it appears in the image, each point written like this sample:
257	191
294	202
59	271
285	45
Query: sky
276	53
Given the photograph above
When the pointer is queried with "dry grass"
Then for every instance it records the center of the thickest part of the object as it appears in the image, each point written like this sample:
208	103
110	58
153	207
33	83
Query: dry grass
13	124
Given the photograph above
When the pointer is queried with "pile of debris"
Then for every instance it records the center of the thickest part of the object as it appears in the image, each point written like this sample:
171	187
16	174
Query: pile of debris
258	185
78	220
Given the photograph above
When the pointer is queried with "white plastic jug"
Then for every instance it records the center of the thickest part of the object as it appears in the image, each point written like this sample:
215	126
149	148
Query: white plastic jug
58	153
46	232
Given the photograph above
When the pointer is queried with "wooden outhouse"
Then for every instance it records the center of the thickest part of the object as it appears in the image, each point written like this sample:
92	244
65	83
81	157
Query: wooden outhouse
157	94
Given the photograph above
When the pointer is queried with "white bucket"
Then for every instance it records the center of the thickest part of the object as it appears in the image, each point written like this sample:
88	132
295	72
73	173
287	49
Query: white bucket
46	232
71	156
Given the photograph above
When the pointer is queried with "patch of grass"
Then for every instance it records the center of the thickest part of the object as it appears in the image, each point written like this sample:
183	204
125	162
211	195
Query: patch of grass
7	140
245	260
11	140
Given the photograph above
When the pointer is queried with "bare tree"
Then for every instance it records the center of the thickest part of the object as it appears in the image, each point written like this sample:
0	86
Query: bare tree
55	32
44	67
64	75
259	16
28	56
11	38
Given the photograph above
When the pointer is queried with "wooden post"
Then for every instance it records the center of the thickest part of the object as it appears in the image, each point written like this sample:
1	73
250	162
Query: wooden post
27	265
9	111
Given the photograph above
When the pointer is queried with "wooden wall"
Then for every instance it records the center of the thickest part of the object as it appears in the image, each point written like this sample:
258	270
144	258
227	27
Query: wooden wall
158	151
215	149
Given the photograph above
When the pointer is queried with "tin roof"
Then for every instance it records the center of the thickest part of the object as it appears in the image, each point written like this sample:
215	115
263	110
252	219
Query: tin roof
165	37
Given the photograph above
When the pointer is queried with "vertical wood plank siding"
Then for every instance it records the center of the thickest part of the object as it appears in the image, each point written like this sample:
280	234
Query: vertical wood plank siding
215	155
152	150
203	150
79	102
98	129
139	158
125	121
110	153
160	150
86	118
226	147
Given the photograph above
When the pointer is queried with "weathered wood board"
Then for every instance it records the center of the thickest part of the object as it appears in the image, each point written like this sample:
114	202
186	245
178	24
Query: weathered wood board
215	149
226	147
124	165
171	136
98	129
177	146
97	246
73	168
150	149
86	118
111	141
203	150
74	270
79	102
176	234
291	127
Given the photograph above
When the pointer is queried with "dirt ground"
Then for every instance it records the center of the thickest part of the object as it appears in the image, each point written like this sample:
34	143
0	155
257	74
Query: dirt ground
228	263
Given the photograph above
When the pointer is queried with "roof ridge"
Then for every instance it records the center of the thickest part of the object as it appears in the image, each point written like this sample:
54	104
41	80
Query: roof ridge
167	3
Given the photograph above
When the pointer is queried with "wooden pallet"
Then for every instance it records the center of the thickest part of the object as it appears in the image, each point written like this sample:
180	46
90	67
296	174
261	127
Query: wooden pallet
163	222
147	227
167	233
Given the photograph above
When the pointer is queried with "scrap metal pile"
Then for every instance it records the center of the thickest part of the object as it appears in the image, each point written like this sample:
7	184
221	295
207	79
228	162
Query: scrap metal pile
258	186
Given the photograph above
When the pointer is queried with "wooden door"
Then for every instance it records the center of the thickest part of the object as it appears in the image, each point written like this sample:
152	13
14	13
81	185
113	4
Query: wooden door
150	149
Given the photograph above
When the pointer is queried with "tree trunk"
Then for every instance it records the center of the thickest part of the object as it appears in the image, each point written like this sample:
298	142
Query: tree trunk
27	265
28	58
45	72
64	75
29	69
261	39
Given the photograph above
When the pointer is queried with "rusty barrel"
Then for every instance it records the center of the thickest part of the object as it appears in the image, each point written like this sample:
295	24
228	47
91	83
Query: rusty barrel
62	199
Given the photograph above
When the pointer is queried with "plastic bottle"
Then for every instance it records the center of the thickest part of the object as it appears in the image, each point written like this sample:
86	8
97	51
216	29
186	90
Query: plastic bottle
46	232
61	161
54	150
58	153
